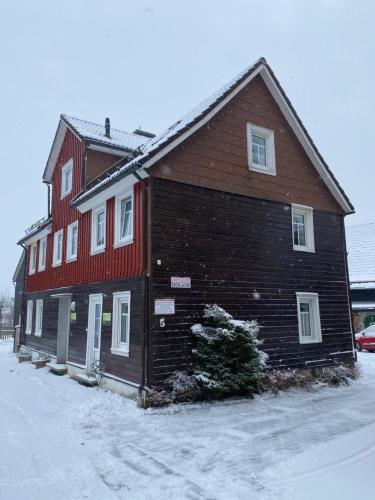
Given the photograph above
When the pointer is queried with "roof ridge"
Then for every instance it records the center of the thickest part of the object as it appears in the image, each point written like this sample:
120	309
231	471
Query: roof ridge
68	117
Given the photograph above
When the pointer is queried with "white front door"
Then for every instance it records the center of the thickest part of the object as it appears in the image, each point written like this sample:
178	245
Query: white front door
94	330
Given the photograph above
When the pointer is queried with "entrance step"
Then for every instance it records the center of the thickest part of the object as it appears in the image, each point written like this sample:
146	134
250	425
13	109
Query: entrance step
39	363
22	358
86	380
57	368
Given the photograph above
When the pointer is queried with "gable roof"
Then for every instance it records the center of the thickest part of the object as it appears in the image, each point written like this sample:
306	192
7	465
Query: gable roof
154	149
361	255
20	266
93	134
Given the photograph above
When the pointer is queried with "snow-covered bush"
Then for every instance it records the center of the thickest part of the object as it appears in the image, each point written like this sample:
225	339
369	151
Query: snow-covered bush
226	359
182	386
338	375
282	380
97	370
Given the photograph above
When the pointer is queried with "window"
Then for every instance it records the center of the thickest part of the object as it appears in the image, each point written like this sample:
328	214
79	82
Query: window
72	242
303	228
121	323
57	247
308	318
98	230
66	178
124	219
29	317
42	254
261	149
38	317
32	263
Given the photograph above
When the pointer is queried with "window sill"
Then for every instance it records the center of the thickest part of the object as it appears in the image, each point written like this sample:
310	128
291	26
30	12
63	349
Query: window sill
261	170
297	248
37	334
27	333
124	243
310	341
71	259
56	264
41	269
62	196
98	250
119	352
31	272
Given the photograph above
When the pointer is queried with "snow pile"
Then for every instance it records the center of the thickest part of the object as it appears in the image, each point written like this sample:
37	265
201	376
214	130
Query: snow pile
76	443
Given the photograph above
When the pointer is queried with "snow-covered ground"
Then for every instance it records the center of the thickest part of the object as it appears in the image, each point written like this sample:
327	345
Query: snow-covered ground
63	441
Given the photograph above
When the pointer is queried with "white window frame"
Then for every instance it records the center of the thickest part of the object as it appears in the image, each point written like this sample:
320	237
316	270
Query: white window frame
32	261
307	212
42	254
118	241
269	136
70	257
38	317
118	347
313	300
29	317
68	167
57	262
94	216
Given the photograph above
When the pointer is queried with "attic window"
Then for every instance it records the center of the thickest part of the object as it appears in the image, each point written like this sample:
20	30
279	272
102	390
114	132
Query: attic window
261	149
66	178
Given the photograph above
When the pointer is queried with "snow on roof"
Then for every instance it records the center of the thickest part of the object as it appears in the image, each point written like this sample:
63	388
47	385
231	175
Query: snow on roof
96	132
363	306
361	254
151	147
156	142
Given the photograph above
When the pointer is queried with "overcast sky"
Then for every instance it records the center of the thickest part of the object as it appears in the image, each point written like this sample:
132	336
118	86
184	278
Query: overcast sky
147	62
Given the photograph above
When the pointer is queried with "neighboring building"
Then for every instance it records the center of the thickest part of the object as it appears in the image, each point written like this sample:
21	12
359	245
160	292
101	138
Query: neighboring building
19	288
233	204
361	257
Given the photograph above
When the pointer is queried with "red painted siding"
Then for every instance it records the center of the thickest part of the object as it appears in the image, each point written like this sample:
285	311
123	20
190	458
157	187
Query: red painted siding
113	263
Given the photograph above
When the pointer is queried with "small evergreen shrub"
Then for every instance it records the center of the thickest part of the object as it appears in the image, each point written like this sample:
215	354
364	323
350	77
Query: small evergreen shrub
227	360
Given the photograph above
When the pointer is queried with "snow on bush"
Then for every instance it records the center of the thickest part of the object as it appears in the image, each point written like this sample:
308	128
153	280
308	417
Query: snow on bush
338	375
282	380
227	359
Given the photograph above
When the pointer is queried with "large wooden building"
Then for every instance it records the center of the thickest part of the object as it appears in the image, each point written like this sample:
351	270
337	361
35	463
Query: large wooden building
233	204
361	257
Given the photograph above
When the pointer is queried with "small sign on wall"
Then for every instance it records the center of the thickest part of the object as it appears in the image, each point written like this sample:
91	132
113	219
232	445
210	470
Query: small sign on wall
180	282
164	306
106	317
73	317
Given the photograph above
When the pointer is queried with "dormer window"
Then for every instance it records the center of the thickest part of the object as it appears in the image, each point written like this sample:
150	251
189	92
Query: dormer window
261	149
66	178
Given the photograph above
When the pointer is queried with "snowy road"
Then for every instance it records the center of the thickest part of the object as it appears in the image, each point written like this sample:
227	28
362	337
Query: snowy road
62	441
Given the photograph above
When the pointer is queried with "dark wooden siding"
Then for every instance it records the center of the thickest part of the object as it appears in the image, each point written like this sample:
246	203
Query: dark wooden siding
47	342
238	252
128	368
216	155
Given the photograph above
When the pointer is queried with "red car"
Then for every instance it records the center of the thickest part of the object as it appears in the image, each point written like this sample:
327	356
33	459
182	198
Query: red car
366	339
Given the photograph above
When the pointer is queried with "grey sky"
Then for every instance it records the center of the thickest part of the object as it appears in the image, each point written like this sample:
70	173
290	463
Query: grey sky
146	62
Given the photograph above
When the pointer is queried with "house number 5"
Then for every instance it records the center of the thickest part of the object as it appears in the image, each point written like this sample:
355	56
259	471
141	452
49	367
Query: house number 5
162	322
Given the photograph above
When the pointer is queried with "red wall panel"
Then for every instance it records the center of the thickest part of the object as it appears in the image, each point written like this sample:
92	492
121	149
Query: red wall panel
113	263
